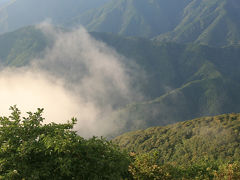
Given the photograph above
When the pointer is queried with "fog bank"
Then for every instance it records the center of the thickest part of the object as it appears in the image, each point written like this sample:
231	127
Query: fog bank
77	77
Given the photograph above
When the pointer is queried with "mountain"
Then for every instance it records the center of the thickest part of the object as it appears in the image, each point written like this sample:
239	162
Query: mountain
211	138
19	47
16	14
211	22
181	81
145	18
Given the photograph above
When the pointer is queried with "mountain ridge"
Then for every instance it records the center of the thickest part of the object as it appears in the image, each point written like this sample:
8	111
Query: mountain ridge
214	23
210	22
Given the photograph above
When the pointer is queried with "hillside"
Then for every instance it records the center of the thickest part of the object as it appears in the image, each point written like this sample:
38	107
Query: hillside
134	17
183	81
19	47
210	138
211	22
180	81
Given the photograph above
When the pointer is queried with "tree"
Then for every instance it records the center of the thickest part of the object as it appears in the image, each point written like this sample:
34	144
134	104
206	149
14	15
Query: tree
33	150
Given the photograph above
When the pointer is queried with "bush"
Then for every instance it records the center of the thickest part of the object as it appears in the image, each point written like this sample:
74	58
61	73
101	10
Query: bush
33	150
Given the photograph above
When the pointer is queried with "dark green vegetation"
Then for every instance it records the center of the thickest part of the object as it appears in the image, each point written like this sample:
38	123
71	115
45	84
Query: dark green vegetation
182	81
211	138
204	148
33	150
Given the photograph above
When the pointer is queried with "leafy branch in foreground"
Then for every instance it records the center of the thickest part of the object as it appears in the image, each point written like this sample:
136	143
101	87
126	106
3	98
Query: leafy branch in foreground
33	150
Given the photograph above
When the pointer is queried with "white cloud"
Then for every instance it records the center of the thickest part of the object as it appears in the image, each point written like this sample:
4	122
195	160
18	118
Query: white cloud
78	76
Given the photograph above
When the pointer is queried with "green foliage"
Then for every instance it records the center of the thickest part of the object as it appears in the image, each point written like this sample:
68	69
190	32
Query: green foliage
204	148
208	139
33	150
147	166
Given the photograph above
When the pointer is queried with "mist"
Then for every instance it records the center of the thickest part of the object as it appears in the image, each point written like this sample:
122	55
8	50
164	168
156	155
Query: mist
77	77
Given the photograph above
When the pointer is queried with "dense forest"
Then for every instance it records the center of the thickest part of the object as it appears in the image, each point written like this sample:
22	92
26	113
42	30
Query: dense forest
200	148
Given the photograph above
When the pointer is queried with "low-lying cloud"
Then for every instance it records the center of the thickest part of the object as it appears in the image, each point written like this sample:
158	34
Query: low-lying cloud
77	77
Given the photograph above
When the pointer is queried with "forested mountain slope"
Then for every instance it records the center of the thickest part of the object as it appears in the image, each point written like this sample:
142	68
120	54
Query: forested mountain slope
183	81
208	138
212	22
19	47
145	18
209	22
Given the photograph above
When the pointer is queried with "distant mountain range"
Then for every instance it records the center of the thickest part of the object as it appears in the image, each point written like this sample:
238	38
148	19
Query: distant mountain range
209	22
182	81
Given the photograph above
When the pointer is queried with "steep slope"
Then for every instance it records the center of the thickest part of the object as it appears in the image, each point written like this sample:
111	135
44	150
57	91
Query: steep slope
134	17
194	99
209	22
209	138
19	47
190	80
15	14
212	22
